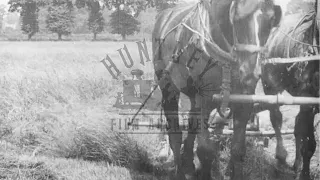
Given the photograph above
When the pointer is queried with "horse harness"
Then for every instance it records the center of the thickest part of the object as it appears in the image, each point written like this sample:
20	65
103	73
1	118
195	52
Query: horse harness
228	73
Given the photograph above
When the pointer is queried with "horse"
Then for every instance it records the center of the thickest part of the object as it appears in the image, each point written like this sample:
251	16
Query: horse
195	46
296	36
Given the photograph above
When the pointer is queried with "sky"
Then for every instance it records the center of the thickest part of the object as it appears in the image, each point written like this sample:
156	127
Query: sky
4	1
282	3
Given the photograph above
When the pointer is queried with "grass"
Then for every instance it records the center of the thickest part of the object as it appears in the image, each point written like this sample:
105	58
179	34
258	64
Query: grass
258	164
15	166
56	99
17	35
55	116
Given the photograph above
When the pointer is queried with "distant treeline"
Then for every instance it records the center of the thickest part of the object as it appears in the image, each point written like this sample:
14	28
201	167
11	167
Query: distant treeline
110	19
40	19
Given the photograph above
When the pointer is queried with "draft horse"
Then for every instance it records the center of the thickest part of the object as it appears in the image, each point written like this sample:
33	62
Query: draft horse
296	36
195	47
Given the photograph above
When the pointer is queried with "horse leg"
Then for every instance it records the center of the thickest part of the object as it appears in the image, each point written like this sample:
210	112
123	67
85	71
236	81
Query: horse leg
241	116
207	149
297	135
187	156
276	121
305	142
170	104
170	107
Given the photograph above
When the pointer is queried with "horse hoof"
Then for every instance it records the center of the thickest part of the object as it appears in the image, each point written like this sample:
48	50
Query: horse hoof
190	173
181	176
173	176
190	177
228	171
304	176
282	158
295	166
281	155
205	177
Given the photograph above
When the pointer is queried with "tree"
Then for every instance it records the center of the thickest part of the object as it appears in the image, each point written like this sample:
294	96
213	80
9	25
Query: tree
60	18
2	13
95	23
133	7
29	18
81	21
124	18
29	14
95	19
164	4
124	24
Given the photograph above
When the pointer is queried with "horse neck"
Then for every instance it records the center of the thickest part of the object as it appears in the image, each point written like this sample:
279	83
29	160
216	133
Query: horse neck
219	18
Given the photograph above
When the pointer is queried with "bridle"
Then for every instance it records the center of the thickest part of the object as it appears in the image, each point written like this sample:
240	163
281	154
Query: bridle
238	47
228	74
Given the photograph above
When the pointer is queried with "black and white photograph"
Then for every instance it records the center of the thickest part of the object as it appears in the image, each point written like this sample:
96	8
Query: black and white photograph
159	89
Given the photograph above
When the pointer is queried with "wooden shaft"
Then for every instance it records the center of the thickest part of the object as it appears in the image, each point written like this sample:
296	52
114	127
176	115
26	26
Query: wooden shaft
259	133
160	129
159	113
270	99
291	60
248	48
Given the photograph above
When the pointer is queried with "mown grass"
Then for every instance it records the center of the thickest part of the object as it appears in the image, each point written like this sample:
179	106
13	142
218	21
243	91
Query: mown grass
56	99
16	166
56	103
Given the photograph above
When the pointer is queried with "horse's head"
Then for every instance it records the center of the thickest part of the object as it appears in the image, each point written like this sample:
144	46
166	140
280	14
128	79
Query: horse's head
252	22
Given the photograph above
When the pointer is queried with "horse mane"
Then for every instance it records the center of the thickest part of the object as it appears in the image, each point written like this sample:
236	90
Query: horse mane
292	37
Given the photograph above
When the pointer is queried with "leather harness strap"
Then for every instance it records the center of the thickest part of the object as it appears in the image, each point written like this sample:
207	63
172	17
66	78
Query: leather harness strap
226	76
226	65
225	90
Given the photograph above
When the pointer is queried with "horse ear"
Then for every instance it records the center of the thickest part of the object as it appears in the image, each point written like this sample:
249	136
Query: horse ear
278	15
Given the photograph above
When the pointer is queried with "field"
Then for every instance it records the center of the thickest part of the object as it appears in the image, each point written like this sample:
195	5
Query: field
55	116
